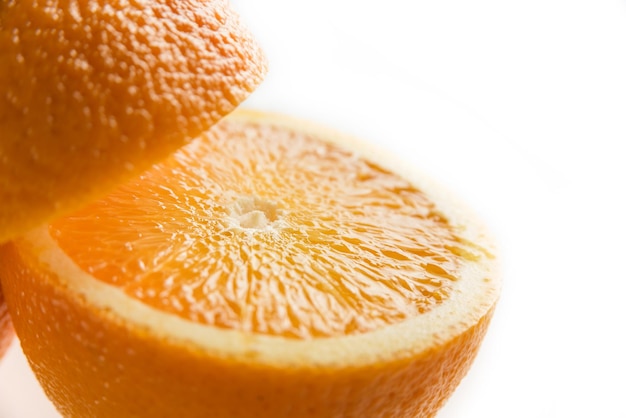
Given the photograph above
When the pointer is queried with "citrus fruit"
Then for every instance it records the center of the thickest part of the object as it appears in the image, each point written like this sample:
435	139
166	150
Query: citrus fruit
6	330
271	268
94	93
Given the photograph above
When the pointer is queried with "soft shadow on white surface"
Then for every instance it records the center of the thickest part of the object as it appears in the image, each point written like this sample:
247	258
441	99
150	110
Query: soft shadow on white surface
517	107
20	394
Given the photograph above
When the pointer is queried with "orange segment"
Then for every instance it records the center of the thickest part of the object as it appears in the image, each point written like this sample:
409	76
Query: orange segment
272	268
94	93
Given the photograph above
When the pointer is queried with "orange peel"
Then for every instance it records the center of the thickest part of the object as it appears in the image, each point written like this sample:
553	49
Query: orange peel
94	93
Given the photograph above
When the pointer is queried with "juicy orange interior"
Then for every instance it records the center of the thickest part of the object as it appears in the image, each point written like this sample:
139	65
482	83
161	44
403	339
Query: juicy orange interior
267	230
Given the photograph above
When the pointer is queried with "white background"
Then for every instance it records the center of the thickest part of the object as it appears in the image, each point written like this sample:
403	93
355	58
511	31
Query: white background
520	108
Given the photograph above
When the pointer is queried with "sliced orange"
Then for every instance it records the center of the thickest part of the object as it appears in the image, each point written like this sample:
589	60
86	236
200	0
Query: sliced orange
272	268
94	93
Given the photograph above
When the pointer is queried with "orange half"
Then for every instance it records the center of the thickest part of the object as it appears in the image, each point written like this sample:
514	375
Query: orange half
271	268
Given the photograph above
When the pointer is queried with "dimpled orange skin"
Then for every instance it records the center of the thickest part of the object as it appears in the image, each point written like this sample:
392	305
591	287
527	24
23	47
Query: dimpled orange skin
192	383
6	329
94	92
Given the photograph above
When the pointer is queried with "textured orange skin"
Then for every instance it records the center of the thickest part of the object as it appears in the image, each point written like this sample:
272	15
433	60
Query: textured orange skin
6	329
91	367
94	92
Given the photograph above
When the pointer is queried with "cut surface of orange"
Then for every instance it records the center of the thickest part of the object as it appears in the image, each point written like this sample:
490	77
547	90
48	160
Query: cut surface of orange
94	93
271	268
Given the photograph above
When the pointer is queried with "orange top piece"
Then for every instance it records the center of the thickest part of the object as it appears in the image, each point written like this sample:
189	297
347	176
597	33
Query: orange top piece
95	92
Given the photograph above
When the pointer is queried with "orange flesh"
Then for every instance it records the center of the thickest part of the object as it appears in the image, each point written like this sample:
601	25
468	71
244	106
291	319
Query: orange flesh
269	231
